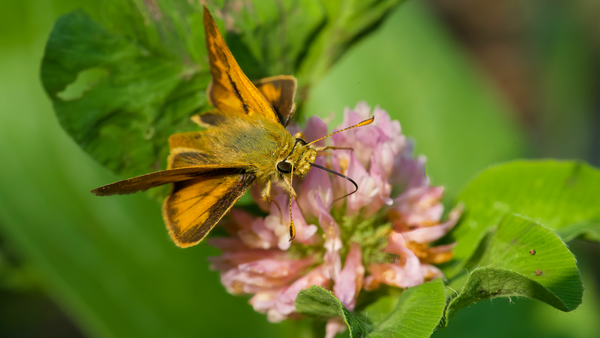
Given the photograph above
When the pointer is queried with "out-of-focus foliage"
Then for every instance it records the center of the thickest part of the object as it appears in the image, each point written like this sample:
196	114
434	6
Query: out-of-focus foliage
122	86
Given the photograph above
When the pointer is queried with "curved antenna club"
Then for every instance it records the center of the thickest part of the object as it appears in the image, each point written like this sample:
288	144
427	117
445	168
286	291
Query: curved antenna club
340	175
360	124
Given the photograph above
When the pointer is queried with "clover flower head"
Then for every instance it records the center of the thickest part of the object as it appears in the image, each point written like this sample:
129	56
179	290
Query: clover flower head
380	235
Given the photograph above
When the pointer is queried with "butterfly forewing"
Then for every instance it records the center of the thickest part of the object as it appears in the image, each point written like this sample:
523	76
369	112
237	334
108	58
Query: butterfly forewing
195	206
230	90
151	180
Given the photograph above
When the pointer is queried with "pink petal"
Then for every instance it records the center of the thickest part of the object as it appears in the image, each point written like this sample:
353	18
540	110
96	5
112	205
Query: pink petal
316	183
286	297
279	224
392	274
274	316
275	268
383	190
333	243
363	110
440	249
391	130
383	157
305	233
238	282
263	301
258	236
433	233
406	258
334	326
430	272
408	172
420	206
405	272
339	161
315	129
350	280
366	187
229	260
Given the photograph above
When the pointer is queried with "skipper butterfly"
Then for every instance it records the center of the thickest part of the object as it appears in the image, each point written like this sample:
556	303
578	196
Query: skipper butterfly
245	142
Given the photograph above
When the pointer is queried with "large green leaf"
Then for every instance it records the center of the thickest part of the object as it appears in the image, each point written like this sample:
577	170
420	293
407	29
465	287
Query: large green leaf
117	99
562	196
416	313
120	87
523	259
321	303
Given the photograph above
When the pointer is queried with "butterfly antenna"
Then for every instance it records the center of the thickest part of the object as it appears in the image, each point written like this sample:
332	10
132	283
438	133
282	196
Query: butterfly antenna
363	123
340	175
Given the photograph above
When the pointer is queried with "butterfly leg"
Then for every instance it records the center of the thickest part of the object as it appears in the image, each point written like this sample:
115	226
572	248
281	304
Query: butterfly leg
292	196
267	197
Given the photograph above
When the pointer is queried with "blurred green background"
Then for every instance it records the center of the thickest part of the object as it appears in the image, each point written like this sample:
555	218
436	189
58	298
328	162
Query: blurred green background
474	83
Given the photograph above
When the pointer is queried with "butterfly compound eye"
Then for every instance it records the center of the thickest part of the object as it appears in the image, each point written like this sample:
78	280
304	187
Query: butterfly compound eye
284	167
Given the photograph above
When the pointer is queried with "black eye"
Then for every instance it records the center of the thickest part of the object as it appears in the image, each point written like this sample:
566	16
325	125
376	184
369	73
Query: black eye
284	167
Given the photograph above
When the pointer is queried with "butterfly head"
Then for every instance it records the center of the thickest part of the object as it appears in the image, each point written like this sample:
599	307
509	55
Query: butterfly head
299	159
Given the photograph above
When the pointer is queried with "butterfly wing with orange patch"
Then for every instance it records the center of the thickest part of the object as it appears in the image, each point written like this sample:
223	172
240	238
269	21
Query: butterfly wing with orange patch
188	160
151	180
195	206
280	91
230	90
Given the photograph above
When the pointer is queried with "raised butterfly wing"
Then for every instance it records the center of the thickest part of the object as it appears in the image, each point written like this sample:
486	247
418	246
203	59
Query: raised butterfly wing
195	206
280	92
155	179
230	90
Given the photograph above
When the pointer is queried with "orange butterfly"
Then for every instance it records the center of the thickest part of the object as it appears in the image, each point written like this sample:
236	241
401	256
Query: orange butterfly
245	142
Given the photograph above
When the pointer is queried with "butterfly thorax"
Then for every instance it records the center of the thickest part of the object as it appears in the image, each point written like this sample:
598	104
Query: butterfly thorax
258	145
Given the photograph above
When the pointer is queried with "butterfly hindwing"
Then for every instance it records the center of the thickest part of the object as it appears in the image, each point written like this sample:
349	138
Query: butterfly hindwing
280	92
230	90
195	206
